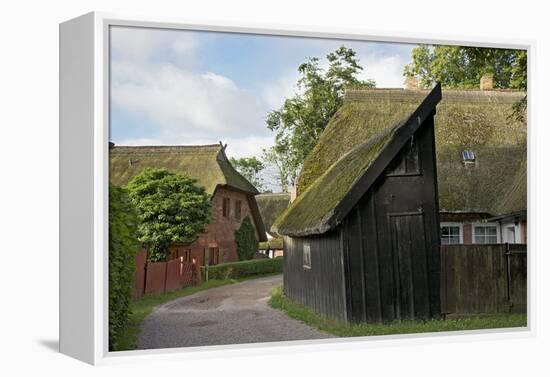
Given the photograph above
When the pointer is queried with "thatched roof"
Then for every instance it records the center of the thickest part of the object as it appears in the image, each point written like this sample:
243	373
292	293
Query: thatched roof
348	159
207	163
473	120
271	206
478	121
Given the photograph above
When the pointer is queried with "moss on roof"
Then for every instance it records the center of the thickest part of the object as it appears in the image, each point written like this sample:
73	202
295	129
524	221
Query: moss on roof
271	206
207	163
312	209
466	120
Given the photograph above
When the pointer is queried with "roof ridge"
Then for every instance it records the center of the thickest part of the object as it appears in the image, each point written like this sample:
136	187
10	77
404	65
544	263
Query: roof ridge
177	146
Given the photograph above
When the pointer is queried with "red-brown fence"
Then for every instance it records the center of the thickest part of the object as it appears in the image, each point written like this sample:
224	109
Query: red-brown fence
161	277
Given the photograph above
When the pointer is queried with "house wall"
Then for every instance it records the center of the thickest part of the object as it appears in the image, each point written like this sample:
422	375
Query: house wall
391	242
467	233
220	233
320	287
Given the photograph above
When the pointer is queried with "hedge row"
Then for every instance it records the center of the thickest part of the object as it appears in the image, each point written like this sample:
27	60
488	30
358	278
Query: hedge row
122	248
273	244
235	270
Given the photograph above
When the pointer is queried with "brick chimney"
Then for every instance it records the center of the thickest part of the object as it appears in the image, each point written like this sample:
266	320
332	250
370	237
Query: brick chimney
486	82
411	83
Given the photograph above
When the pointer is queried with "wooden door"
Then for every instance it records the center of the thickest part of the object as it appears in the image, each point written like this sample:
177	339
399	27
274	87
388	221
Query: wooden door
410	266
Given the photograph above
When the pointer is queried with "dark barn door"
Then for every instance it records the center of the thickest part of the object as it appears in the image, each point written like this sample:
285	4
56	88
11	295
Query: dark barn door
410	269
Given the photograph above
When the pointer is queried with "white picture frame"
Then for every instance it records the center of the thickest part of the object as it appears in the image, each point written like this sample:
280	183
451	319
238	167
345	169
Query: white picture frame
84	132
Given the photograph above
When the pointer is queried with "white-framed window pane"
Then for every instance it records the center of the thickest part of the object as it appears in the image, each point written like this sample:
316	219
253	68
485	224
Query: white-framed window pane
450	235
485	234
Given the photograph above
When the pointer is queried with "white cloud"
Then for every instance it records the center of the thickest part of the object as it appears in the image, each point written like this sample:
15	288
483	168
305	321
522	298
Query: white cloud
182	103
276	91
387	71
145	44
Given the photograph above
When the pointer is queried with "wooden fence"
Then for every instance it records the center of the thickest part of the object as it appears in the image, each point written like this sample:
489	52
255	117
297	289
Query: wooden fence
478	279
161	277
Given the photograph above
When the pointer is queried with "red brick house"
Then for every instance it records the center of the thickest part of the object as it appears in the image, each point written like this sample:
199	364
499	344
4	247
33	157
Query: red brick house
233	197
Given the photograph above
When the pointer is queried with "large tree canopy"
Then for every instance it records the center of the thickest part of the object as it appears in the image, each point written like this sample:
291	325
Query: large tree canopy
170	208
302	118
462	67
250	168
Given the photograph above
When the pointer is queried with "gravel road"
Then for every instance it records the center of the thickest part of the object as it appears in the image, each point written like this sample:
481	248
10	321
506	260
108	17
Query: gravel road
236	313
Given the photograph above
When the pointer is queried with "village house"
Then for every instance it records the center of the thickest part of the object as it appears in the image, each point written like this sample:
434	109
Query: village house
271	205
232	195
362	239
481	156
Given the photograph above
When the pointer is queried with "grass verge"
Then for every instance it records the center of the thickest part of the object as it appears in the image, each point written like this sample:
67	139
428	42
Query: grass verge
143	306
306	315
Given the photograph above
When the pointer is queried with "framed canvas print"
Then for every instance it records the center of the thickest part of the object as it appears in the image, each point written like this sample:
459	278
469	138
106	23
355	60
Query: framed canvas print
225	187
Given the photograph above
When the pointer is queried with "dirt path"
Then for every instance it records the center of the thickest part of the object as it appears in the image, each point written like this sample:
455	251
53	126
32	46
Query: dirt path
236	313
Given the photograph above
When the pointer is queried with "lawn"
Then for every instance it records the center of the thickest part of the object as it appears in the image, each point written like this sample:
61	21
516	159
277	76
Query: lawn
306	315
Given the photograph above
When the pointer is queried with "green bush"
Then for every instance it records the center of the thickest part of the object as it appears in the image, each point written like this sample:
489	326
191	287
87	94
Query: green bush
123	245
171	208
273	244
236	270
245	237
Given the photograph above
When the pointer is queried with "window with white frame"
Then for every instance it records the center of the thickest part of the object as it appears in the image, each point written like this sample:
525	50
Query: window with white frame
451	234
307	256
485	234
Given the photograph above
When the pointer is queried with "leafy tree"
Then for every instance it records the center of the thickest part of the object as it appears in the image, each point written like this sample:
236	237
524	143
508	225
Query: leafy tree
302	118
170	208
123	244
250	168
462	67
245	237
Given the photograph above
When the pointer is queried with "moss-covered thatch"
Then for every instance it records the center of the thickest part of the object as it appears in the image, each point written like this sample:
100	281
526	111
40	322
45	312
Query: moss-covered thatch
207	163
478	121
271	206
312	209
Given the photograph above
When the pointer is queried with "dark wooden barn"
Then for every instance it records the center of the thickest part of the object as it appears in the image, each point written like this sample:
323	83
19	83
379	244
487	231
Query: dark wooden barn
362	240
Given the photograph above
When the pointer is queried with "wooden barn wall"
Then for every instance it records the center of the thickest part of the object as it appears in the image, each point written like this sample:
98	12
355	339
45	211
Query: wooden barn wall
322	286
391	241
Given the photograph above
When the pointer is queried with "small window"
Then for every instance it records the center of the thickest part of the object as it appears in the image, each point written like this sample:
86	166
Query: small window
307	256
407	162
468	157
238	209
485	234
450	235
225	207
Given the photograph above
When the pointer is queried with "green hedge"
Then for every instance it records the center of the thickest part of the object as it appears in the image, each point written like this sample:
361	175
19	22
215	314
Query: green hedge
236	270
274	244
123	245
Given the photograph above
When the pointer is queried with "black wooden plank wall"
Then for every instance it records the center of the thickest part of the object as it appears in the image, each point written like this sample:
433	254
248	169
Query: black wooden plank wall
322	286
391	240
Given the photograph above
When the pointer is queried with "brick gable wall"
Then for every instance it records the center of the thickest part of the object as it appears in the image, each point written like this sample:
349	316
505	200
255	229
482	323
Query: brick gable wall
220	233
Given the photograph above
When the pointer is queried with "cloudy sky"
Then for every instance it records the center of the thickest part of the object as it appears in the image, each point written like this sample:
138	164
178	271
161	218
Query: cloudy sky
186	87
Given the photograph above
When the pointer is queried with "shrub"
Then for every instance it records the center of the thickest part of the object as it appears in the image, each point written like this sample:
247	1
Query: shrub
273	244
236	270
123	245
171	208
245	237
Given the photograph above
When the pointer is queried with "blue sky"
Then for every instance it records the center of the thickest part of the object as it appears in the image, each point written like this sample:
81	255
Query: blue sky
187	87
